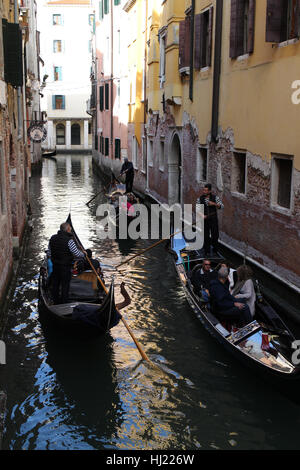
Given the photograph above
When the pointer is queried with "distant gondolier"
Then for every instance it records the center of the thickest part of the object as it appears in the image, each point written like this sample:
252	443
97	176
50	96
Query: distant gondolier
212	203
128	168
62	250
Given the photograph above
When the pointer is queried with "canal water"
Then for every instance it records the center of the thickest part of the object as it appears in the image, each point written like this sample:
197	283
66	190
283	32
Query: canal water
99	394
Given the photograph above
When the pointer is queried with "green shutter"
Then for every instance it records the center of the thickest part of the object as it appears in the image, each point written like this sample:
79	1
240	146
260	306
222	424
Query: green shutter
117	2
12	47
106	95
101	92
106	7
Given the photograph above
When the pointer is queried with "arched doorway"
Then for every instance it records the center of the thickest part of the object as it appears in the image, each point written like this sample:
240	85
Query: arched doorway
174	166
60	134
75	134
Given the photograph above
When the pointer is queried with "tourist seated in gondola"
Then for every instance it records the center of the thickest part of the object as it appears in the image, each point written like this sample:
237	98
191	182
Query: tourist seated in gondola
202	277
244	289
232	277
225	305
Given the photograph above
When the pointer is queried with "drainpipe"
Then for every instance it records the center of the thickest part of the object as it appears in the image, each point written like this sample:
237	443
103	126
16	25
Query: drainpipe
191	89
217	70
19	94
112	79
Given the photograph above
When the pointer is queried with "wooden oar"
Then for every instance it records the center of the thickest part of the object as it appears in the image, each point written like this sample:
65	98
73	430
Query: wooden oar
141	351
147	249
104	189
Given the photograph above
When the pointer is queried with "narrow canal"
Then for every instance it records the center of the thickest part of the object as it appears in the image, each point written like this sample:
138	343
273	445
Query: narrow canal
99	394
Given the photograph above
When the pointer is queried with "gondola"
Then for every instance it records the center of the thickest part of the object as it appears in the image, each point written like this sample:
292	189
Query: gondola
266	344
90	311
50	154
116	191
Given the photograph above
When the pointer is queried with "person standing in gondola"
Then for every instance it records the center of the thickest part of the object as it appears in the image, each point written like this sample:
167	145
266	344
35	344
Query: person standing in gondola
62	251
212	203
127	168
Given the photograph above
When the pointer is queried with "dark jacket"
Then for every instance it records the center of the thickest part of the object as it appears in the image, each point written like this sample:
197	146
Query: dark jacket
60	252
200	281
221	297
130	173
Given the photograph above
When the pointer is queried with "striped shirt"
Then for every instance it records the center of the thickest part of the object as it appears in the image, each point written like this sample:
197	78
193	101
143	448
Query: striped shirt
206	201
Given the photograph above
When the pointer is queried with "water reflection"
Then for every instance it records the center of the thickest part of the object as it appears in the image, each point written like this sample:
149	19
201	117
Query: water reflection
77	395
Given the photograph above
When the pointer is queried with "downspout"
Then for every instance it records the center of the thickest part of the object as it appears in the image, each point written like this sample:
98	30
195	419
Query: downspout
112	80
217	71
19	93
191	89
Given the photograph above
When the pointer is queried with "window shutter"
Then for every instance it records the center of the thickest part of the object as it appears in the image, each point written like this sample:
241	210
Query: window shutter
101	10
106	7
236	28
12	47
181	43
187	41
106	95
53	102
197	41
251	26
274	20
210	32
101	93
63	104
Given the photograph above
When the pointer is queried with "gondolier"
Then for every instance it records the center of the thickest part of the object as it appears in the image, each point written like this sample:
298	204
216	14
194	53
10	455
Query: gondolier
128	168
62	250
212	203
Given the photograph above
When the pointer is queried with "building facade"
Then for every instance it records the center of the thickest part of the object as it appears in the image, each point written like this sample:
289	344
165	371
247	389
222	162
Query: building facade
67	70
15	115
221	105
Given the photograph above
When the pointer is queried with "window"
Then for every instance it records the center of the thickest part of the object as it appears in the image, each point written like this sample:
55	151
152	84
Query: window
57	45
184	42
282	178
58	102
60	134
106	146
57	20
96	142
106	7
75	134
283	20
2	182
119	93
239	168
162	62
118	148
150	152
106	95
202	164
117	2
203	39
161	155
101	12
134	152
57	72
242	27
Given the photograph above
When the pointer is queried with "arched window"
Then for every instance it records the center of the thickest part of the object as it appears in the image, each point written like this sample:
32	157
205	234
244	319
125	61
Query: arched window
75	134
60	134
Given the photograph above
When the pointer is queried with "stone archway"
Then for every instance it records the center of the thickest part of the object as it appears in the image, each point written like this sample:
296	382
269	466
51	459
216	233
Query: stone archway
174	171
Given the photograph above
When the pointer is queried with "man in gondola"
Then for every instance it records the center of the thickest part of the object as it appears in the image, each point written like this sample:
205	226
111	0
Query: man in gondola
62	251
127	168
212	203
225	306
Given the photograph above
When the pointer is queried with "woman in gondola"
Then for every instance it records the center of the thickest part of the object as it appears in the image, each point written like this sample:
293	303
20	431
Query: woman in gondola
244	288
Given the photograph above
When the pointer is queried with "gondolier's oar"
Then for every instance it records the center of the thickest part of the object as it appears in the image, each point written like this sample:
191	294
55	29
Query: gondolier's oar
104	189
147	249
141	351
